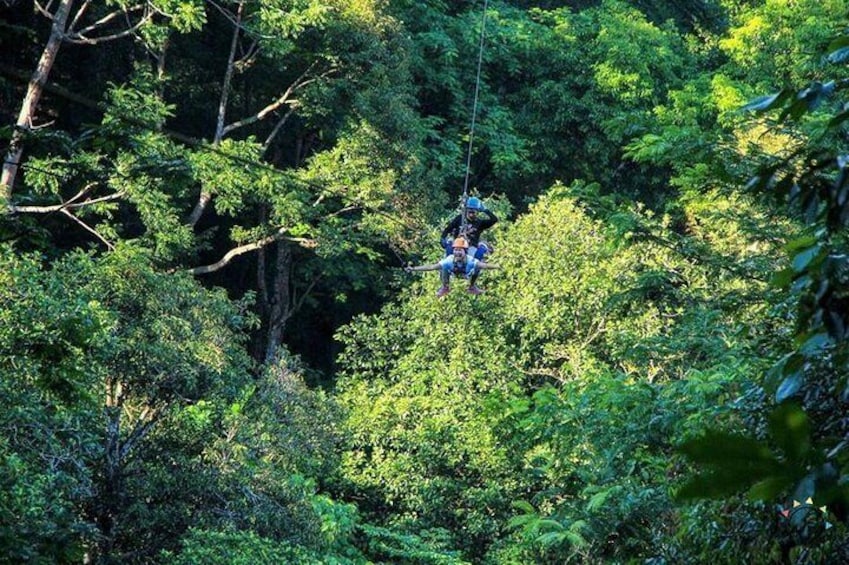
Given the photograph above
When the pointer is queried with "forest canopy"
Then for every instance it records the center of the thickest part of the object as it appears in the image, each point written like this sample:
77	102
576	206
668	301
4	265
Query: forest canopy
211	350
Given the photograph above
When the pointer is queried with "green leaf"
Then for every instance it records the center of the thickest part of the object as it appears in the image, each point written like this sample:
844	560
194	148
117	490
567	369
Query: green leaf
551	538
789	363
770	488
727	450
815	343
524	506
517	522
791	430
768	102
782	278
713	485
552	525
839	55
800	243
803	259
838	119
575	538
789	386
597	500
838	43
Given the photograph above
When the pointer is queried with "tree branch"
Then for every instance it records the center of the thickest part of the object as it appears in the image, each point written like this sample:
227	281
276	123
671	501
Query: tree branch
44	10
102	21
80	13
30	101
248	247
148	417
89	229
220	129
300	82
80	39
205	195
277	129
70	204
299	301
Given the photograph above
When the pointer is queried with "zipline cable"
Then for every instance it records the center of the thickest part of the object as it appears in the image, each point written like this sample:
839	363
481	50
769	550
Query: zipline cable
474	117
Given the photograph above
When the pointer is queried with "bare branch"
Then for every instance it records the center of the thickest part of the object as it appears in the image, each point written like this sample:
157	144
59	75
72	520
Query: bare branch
89	229
79	39
85	190
248	247
228	78
300	82
227	14
249	56
277	129
147	419
206	196
79	15
298	302
30	101
102	21
65	205
44	10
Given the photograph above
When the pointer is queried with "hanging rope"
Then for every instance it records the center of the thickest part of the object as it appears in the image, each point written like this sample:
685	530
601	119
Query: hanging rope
474	116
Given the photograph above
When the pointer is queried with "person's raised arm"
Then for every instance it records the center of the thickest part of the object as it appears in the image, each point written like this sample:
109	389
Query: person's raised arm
432	267
490	219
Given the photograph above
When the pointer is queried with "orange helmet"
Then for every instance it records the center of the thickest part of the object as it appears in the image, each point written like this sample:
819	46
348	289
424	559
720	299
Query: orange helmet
460	242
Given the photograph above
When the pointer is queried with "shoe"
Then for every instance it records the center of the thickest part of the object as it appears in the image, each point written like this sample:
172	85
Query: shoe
475	290
442	291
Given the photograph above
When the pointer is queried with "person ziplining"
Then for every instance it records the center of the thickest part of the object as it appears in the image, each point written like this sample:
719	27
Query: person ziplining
465	253
461	237
459	264
469	224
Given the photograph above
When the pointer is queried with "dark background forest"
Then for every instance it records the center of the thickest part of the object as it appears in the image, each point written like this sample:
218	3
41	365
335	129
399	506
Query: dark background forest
210	351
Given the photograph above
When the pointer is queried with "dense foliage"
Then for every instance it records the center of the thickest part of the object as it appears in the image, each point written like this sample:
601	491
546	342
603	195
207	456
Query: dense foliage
209	352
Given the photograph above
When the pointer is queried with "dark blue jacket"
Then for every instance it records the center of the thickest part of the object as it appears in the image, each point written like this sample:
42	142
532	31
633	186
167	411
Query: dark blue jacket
473	228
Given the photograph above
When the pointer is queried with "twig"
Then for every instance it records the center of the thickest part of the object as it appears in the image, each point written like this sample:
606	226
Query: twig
299	83
277	129
79	15
80	40
89	229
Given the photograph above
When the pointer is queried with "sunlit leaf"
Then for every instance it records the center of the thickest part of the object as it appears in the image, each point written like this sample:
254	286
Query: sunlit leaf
789	386
804	258
768	102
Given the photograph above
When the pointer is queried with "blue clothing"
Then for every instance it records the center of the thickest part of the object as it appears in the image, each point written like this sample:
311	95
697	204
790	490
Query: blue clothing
479	252
465	269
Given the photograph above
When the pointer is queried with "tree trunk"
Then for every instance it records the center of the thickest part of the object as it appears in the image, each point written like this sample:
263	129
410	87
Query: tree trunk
111	489
30	103
279	303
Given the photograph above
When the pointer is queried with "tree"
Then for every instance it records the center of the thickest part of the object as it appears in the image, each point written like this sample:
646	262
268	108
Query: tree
565	386
270	152
69	26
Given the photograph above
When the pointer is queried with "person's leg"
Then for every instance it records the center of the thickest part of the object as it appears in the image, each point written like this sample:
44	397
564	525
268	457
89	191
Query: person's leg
445	276
473	278
482	251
